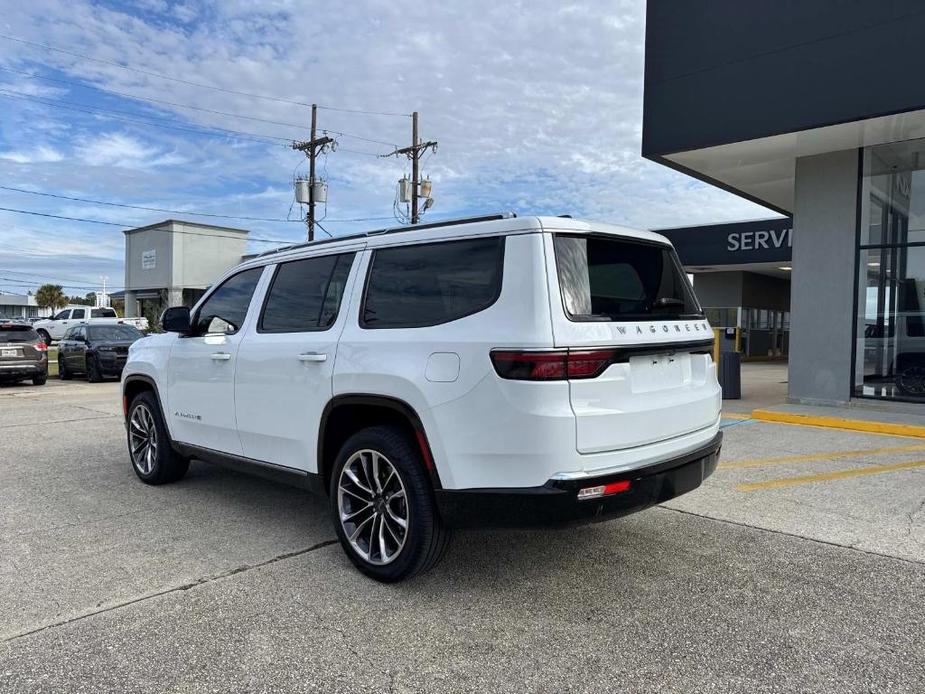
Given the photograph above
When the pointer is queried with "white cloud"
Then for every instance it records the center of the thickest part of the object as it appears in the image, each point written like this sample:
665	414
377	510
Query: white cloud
536	107
121	150
185	13
39	155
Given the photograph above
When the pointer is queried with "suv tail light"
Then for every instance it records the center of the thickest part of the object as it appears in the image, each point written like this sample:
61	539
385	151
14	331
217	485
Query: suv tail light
552	365
40	346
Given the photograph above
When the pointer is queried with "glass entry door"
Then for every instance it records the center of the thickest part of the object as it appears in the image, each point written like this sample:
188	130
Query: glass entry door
890	329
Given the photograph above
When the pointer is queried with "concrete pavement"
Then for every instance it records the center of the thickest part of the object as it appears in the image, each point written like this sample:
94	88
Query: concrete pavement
224	582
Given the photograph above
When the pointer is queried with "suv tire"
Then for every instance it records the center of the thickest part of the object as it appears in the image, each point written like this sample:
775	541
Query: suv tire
63	372
379	482
94	373
153	458
39	380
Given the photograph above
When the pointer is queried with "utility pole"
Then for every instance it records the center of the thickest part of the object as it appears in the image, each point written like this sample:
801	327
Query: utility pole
414	153
312	148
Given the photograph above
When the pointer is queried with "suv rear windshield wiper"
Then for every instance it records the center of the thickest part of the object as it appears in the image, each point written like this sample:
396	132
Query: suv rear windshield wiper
665	301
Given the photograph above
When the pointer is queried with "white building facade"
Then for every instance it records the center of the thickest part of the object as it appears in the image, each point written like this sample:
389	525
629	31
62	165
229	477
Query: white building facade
171	263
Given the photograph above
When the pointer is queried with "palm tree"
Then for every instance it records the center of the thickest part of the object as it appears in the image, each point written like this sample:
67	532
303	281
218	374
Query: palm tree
51	296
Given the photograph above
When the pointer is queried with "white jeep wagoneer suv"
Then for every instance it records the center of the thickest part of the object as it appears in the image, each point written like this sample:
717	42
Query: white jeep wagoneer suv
492	371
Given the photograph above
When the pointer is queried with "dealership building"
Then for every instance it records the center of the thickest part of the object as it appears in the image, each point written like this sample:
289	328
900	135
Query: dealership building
742	278
171	263
816	111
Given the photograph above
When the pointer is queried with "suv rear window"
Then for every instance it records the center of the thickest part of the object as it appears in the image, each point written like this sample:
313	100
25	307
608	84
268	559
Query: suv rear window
604	278
17	333
429	284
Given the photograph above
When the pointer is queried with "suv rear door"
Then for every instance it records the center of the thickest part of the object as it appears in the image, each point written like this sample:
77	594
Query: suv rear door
627	302
284	374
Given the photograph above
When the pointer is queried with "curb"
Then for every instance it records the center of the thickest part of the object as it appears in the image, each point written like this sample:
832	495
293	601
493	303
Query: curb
865	425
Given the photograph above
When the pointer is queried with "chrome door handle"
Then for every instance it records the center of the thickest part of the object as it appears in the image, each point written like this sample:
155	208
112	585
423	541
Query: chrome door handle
220	356
313	356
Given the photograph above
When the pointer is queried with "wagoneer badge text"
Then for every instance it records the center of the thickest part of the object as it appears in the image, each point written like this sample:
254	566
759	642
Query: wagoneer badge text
666	328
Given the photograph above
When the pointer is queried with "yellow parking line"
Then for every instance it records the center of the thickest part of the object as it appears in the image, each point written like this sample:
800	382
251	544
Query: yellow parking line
828	455
827	476
868	426
735	415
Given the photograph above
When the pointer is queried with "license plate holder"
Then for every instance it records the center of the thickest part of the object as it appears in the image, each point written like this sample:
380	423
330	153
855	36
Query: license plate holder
650	372
10	353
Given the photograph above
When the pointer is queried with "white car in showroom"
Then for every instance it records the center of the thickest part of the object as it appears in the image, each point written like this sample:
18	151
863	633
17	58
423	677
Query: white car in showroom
497	371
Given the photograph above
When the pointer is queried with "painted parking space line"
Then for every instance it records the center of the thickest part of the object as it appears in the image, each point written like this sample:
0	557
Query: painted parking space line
809	457
829	476
867	426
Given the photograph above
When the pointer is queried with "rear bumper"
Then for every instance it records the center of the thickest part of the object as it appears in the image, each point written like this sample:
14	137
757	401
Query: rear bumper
17	372
556	502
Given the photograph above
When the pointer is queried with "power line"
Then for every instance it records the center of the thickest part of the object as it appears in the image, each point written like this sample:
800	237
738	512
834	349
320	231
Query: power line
207	130
45	278
159	209
358	137
189	106
147	209
128	227
368	113
92	110
9	281
200	85
153	99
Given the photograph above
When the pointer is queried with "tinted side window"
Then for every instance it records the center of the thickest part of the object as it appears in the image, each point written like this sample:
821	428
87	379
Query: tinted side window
102	313
224	311
62	315
78	314
305	294
430	284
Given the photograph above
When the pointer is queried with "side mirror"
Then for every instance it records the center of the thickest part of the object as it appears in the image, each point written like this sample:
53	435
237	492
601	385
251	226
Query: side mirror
176	319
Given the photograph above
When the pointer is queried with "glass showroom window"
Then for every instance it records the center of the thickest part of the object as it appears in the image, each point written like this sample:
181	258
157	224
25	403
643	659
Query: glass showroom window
890	329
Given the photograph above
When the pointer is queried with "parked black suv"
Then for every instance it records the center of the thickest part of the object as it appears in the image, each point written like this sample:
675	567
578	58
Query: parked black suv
95	350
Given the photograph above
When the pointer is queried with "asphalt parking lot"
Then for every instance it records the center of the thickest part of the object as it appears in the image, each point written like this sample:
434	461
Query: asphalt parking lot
798	567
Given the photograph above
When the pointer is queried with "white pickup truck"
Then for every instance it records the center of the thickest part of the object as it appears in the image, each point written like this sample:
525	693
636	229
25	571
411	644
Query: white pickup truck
53	329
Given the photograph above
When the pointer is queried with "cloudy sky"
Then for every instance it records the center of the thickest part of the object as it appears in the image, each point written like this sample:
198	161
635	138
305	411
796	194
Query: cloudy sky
537	107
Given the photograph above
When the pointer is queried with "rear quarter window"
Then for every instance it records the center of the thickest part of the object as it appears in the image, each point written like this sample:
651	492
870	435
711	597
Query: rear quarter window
429	284
617	279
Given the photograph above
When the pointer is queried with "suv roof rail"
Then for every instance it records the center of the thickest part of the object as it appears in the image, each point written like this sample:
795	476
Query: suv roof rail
393	230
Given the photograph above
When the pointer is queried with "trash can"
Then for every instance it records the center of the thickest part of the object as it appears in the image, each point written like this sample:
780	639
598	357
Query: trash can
730	375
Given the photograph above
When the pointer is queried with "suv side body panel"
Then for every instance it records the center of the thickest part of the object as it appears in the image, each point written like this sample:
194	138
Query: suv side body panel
438	368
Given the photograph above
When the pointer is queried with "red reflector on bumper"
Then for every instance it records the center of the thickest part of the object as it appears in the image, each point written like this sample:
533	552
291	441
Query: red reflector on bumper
615	487
603	490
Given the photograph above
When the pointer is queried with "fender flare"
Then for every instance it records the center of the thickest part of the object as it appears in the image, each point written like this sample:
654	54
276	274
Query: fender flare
391	403
141	378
